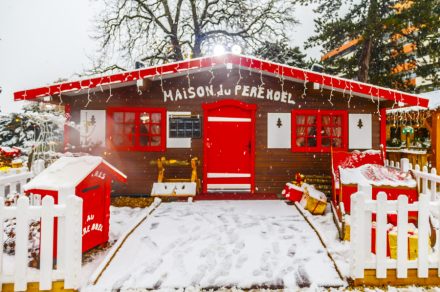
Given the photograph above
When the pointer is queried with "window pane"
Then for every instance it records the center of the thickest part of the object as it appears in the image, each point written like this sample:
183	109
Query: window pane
300	142
300	131
325	120
155	129
144	129
144	117
117	140
155	141
337	120
143	140
326	131
325	142
118	129
129	129
118	117
129	118
311	141
311	120
337	132
300	120
156	117
337	142
311	131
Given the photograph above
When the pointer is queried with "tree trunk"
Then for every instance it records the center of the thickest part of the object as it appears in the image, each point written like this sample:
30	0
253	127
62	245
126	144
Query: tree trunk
364	60
372	24
177	49
197	51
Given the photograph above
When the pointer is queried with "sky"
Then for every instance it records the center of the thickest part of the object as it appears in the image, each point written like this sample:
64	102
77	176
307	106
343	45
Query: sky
42	41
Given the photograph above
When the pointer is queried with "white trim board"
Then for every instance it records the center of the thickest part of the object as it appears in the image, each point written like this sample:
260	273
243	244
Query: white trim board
227	175
228	119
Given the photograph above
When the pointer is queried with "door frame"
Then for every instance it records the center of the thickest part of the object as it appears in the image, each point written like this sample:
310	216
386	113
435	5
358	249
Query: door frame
251	108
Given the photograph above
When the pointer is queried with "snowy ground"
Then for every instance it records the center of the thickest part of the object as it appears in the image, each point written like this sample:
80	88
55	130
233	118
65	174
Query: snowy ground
329	233
221	244
121	218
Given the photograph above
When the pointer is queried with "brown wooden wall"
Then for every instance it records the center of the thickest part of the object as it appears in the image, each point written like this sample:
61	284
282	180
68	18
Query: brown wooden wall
274	167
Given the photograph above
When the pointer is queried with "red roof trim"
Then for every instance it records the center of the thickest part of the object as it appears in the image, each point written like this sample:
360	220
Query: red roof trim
342	84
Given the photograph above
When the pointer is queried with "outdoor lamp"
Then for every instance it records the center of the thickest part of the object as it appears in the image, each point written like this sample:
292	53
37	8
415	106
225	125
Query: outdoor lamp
408	130
145	117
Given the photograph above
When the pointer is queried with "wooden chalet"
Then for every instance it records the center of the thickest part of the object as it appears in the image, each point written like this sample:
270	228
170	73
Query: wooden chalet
414	133
251	123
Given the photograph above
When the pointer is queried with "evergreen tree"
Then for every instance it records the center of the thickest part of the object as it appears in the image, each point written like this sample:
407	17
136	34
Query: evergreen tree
381	31
281	52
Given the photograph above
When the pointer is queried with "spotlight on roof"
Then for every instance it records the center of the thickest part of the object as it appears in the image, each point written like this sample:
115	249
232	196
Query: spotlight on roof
218	50
236	49
139	65
317	68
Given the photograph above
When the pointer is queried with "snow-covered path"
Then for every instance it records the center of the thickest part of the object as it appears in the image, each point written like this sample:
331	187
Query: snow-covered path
221	244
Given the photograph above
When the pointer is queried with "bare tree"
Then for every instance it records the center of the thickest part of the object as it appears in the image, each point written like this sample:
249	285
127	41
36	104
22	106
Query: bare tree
157	31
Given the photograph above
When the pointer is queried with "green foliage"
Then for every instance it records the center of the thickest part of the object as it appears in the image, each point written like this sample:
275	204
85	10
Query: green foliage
281	52
24	130
382	31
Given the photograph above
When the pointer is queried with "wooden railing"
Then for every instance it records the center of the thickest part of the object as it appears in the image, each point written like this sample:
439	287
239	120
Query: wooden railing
428	182
14	181
361	232
68	259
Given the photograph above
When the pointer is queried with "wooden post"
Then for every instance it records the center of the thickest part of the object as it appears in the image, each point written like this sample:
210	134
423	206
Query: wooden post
381	236
46	243
383	129
402	236
423	236
21	244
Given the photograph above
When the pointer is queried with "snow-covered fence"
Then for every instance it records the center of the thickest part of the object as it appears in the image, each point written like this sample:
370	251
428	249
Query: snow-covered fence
361	232
428	182
68	258
14	181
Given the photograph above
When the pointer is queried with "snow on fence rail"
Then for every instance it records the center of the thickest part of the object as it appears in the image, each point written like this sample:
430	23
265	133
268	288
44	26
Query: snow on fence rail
361	229
427	182
14	182
68	259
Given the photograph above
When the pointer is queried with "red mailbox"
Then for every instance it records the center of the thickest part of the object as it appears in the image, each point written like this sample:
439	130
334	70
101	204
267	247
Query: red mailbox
88	177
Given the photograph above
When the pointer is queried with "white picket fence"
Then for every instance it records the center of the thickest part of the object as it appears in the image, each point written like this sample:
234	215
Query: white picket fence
428	182
361	227
14	181
69	243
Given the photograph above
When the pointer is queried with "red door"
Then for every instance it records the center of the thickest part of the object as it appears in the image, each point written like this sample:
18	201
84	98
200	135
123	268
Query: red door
229	147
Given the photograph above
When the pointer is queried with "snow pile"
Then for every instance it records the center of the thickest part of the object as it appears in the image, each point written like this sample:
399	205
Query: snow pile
221	244
376	175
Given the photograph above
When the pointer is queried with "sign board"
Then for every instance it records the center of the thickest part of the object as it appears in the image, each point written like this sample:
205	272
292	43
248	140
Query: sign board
359	131
92	131
279	130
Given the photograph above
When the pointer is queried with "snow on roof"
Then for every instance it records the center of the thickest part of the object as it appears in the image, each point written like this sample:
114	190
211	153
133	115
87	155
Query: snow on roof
434	98
67	173
376	175
80	87
434	103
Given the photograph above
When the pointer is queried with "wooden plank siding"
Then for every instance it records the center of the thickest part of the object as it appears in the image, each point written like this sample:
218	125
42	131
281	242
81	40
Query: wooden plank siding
274	167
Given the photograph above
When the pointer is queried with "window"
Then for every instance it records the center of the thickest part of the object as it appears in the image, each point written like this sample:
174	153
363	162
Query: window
185	127
140	129
318	130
